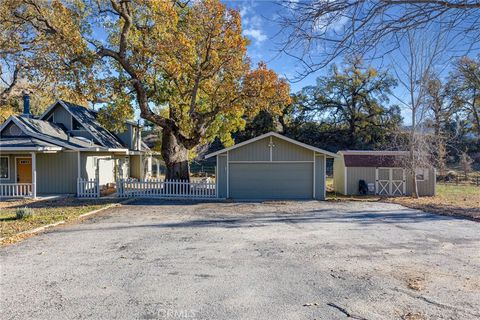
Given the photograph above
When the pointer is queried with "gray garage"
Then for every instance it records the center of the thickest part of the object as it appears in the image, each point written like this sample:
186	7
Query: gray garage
271	166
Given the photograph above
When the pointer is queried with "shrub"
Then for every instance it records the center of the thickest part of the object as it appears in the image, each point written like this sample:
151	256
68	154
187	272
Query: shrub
24	213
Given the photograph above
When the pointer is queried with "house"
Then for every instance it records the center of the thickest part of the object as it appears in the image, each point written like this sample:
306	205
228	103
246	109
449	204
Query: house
51	153
271	166
382	172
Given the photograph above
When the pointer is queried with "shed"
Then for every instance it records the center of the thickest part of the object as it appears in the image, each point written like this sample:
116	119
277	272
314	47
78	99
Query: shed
382	171
271	166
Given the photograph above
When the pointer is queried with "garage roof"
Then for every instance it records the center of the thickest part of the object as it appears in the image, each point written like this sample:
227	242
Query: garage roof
274	134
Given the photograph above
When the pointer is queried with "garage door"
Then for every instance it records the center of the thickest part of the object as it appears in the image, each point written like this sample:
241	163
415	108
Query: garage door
271	180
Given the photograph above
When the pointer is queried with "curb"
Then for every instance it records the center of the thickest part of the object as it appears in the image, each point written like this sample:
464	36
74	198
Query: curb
87	214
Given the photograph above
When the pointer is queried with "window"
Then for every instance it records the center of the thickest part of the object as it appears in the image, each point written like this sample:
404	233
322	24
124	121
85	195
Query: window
76	125
4	167
421	174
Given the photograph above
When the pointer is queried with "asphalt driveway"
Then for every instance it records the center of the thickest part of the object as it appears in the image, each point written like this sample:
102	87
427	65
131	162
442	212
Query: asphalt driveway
279	260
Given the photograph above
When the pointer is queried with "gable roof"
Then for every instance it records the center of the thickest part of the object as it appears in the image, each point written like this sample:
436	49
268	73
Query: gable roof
88	119
48	132
277	135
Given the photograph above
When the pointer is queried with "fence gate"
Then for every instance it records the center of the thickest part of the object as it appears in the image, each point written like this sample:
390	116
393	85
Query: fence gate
390	181
88	188
156	188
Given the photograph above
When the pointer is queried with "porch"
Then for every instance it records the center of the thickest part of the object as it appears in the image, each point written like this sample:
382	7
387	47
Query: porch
18	175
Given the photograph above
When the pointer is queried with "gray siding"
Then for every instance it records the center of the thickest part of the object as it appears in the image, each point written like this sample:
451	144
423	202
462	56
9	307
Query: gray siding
221	178
60	115
426	187
355	174
319	177
255	151
271	180
128	137
57	173
286	151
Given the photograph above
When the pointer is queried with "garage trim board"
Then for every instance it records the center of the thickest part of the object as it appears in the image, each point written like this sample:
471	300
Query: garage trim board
271	167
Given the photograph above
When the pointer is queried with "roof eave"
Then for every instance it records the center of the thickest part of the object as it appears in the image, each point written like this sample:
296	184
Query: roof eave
268	134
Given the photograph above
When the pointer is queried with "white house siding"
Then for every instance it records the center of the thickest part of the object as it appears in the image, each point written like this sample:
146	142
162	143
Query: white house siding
339	175
89	163
57	173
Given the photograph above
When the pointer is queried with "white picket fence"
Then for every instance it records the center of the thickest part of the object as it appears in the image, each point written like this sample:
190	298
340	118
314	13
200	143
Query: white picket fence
16	190
88	188
166	189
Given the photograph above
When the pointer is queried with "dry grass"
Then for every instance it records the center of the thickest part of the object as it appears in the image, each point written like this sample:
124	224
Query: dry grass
45	212
461	200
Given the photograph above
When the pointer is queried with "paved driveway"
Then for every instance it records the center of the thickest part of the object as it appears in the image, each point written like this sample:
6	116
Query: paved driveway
304	260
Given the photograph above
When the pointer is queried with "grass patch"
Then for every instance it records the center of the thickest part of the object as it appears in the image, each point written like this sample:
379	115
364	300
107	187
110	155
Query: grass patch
43	213
454	200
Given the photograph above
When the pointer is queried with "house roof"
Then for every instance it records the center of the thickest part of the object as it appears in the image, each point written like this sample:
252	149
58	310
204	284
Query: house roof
277	135
47	131
366	158
27	144
88	119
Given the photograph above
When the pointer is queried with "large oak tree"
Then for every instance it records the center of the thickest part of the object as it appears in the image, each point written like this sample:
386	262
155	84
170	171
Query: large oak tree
184	65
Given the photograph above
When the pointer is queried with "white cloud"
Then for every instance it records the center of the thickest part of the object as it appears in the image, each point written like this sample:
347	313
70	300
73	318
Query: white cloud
255	34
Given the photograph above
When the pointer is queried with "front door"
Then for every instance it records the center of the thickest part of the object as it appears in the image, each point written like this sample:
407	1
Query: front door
24	170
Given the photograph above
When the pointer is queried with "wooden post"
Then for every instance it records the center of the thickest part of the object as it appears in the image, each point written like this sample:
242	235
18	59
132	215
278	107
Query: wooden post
34	175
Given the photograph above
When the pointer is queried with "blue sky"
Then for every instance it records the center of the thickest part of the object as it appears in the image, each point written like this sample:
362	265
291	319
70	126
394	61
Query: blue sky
259	26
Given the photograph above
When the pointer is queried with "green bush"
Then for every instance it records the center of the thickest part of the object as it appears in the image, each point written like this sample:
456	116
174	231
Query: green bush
24	213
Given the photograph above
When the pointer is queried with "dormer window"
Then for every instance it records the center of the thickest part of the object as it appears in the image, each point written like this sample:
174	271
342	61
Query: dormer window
76	125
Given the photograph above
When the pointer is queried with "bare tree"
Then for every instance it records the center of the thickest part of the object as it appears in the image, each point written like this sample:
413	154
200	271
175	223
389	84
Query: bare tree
419	56
466	163
319	31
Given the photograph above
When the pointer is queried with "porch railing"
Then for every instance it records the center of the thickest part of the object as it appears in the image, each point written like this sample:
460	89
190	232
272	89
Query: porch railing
166	189
16	190
88	188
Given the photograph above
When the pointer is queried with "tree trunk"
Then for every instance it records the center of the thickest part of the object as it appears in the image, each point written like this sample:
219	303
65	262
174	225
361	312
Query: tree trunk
175	156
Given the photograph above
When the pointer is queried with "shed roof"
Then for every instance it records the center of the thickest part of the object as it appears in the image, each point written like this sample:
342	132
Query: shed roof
274	134
367	158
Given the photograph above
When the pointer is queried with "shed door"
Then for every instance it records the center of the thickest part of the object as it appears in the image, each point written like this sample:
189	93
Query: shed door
271	180
390	181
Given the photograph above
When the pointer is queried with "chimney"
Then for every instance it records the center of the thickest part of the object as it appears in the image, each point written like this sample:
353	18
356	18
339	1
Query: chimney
26	105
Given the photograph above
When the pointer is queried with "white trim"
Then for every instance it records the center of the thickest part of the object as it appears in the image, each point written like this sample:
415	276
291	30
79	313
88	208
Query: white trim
324	178
228	176
314	193
55	149
216	177
79	167
371	152
274	134
271	149
3	125
306	161
8	167
34	175
15	159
